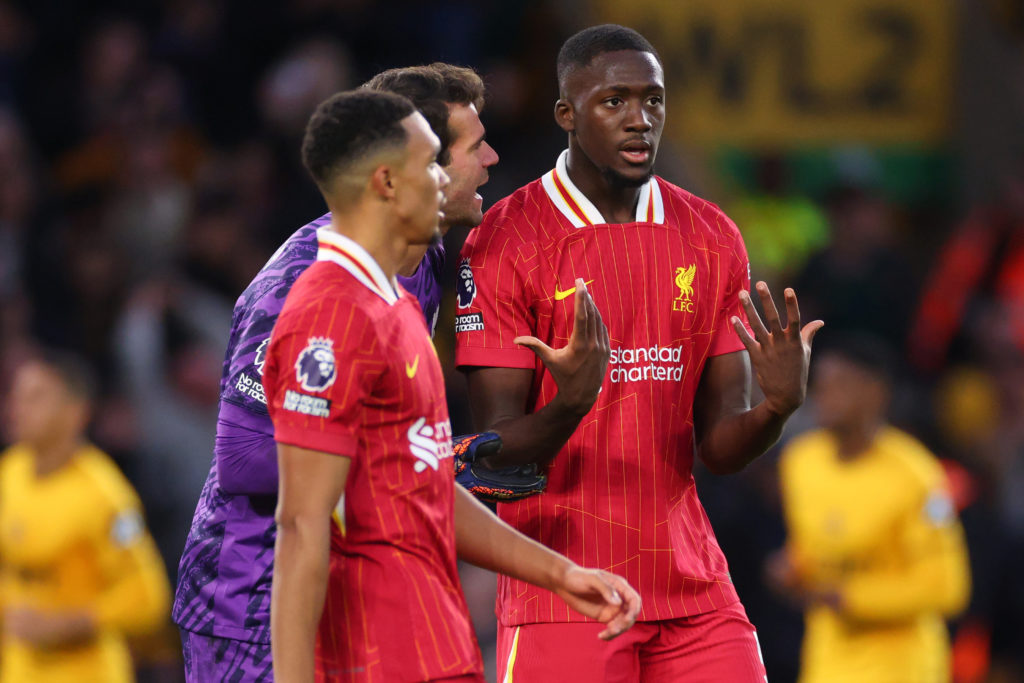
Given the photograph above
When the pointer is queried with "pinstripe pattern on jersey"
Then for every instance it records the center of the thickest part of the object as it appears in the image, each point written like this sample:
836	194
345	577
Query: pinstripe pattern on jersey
621	494
394	608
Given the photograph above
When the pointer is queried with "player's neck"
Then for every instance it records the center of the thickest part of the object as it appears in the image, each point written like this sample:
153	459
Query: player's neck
616	203
855	440
53	454
367	229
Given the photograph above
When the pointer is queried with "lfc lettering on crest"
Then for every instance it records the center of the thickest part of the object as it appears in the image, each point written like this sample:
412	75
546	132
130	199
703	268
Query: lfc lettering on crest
684	281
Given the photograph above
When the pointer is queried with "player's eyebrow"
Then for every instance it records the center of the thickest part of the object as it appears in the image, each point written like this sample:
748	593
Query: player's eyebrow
479	141
620	88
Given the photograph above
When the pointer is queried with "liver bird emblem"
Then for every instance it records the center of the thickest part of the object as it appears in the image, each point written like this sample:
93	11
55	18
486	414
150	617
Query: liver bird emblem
684	281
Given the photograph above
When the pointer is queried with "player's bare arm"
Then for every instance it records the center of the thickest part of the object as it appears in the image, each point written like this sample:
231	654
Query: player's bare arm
486	541
499	395
65	628
730	434
311	484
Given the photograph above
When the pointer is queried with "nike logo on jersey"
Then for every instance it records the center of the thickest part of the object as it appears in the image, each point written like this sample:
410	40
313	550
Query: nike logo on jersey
410	370
559	294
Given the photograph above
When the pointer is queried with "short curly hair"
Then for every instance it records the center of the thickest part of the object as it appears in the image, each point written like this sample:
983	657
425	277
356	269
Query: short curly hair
581	49
350	126
431	88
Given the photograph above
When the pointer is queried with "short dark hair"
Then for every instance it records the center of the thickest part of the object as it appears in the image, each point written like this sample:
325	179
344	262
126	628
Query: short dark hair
348	126
74	372
431	88
581	49
864	350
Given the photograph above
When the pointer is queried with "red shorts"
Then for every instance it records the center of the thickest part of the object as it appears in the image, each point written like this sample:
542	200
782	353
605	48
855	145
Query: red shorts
713	647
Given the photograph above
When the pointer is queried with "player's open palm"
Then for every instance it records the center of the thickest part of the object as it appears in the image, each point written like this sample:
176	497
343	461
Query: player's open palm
578	368
779	355
603	596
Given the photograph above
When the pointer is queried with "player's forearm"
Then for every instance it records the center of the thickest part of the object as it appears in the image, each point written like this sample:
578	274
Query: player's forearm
301	557
536	437
69	629
938	584
139	600
486	541
734	441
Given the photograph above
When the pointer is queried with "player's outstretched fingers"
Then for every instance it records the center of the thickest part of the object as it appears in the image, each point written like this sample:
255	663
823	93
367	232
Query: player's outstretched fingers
792	312
811	329
581	312
771	313
760	333
741	330
593	317
542	350
600	329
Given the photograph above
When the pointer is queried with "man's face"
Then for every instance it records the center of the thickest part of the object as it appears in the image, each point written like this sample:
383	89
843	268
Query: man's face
845	395
40	406
420	183
471	156
617	114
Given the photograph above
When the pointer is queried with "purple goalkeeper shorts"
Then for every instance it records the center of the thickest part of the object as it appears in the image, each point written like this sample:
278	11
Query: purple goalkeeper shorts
208	658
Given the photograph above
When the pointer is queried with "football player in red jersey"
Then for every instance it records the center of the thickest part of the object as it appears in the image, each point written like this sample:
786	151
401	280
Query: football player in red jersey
670	274
365	586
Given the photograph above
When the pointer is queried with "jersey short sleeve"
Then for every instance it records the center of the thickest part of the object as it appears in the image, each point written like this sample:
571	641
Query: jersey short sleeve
323	364
726	340
494	302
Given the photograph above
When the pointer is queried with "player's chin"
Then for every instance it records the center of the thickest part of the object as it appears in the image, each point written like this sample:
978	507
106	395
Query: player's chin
468	218
625	174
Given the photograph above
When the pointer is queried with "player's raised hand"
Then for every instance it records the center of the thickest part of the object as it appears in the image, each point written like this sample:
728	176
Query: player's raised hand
603	596
779	355
578	368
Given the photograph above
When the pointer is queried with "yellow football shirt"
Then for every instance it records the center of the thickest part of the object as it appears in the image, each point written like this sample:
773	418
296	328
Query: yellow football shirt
74	539
882	531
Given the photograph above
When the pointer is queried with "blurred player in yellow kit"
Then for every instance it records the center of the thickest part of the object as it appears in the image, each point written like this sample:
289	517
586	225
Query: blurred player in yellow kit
875	552
78	570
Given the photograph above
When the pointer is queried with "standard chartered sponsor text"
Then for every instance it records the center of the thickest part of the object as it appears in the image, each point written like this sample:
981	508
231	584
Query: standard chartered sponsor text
659	363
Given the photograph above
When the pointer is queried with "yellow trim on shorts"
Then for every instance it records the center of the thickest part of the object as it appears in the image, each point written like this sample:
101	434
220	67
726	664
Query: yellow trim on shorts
512	657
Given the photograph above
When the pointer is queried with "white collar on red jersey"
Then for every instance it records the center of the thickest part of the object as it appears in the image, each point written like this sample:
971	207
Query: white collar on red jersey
580	211
347	253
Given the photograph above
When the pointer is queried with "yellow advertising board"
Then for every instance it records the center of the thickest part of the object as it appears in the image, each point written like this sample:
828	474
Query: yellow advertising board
790	72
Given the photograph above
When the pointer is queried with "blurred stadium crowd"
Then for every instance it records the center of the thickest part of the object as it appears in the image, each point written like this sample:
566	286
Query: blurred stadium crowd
149	165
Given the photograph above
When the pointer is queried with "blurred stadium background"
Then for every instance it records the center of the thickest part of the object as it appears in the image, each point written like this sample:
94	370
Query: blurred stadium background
871	151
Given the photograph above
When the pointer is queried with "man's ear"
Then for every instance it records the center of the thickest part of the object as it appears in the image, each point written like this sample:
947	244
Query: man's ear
382	182
565	116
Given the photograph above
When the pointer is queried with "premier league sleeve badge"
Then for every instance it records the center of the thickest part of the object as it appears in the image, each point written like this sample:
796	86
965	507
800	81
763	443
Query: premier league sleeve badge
315	369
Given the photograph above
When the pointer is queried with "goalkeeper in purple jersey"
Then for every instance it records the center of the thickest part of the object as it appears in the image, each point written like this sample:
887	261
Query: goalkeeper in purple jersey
222	602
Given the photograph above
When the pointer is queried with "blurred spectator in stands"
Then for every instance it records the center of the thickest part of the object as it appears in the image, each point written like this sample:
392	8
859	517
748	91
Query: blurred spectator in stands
977	282
304	77
969	417
168	344
781	229
861	280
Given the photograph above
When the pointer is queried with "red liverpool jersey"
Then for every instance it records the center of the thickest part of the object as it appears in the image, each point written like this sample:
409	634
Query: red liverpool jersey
621	494
351	371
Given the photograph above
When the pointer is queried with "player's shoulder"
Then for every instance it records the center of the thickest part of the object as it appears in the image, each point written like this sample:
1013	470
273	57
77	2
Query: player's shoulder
807	448
106	481
14	459
518	219
284	267
910	457
328	296
680	202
